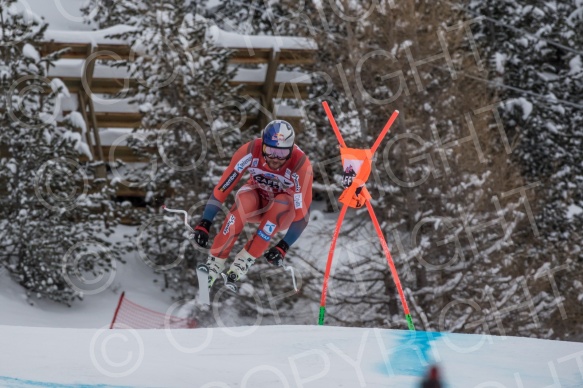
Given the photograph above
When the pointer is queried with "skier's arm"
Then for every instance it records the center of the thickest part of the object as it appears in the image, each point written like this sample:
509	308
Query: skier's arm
212	208
240	161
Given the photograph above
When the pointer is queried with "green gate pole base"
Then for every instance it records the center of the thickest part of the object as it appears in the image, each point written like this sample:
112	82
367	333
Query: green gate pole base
410	322
322	314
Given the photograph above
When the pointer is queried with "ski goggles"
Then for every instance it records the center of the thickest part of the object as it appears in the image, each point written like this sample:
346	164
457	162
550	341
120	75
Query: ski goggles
276	153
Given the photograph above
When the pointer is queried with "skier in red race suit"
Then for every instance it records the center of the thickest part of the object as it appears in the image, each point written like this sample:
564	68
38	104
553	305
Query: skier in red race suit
277	195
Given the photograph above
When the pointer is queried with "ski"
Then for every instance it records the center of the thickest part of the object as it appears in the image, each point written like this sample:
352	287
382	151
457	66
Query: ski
202	273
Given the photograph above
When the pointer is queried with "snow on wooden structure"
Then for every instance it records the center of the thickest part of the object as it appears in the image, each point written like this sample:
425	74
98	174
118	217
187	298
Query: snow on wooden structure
92	82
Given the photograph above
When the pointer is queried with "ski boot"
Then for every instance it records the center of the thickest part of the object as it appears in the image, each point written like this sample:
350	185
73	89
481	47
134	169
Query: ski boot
213	267
243	261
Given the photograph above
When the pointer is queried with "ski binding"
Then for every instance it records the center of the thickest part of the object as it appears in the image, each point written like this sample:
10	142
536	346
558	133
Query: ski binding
230	280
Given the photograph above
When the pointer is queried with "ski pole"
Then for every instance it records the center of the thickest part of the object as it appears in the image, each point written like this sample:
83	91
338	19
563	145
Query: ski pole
185	214
290	269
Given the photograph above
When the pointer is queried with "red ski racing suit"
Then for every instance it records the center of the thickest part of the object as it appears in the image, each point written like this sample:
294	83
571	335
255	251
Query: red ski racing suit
276	199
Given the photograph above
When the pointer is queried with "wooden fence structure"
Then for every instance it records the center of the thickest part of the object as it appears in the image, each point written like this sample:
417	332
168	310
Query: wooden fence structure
90	75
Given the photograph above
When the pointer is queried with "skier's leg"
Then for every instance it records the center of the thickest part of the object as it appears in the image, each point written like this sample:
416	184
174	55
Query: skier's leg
280	214
247	204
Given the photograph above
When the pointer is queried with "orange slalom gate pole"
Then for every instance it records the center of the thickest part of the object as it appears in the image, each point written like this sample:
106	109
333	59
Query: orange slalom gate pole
333	124
388	125
391	265
329	264
378	230
338	224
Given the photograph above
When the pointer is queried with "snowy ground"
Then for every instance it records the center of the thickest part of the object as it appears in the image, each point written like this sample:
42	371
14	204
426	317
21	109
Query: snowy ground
135	278
278	356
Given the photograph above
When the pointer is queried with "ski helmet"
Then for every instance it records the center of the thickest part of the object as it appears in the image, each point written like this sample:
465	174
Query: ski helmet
278	135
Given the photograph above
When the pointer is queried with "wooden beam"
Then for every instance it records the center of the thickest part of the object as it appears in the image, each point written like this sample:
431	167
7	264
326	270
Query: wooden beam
83	108
118	119
79	50
123	153
243	55
99	85
115	85
88	68
240	55
280	90
132	120
269	82
124	191
268	85
255	121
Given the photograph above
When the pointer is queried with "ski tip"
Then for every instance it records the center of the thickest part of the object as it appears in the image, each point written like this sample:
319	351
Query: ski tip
396	111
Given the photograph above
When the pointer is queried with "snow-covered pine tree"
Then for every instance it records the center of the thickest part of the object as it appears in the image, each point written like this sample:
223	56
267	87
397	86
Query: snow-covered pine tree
54	223
184	94
243	16
108	13
263	17
534	50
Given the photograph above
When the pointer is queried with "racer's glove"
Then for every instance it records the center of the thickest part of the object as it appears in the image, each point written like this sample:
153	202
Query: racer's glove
201	233
276	254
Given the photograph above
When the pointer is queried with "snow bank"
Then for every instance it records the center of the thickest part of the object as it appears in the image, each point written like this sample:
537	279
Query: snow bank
525	105
231	39
74	68
258	75
574	211
93	37
575	65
